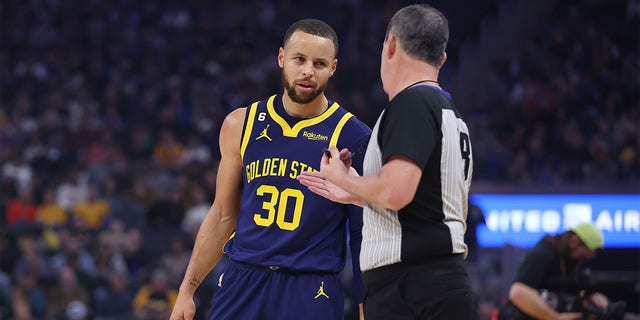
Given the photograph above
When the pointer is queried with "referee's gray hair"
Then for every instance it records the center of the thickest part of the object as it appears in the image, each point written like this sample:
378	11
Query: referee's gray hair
422	32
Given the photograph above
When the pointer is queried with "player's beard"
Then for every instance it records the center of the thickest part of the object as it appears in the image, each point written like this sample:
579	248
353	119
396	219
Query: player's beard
300	98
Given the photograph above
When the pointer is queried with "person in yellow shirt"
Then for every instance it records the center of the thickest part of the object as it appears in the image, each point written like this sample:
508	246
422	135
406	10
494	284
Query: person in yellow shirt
154	295
91	213
168	151
50	214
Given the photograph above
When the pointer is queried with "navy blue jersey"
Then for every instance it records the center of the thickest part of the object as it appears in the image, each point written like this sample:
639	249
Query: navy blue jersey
281	223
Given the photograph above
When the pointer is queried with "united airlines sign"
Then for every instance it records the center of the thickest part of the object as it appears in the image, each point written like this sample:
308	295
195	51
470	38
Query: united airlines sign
521	220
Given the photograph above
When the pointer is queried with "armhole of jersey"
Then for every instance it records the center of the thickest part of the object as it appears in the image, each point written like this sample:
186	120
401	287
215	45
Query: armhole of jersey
336	132
248	128
382	119
225	243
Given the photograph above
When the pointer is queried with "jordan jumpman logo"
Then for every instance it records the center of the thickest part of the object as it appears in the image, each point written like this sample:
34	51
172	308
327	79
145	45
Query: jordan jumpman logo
264	134
321	292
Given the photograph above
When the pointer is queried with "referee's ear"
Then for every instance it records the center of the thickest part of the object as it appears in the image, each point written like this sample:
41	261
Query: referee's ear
391	45
443	60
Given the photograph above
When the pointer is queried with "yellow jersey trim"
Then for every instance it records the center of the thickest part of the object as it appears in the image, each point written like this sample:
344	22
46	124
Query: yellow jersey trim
225	243
288	131
336	132
248	129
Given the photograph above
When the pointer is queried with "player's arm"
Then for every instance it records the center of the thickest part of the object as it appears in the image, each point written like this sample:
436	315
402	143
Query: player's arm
221	219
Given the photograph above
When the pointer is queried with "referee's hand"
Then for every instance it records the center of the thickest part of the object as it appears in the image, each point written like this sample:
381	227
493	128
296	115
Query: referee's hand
330	170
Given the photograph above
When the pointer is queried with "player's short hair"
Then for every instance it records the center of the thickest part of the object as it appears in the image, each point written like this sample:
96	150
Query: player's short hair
314	27
422	32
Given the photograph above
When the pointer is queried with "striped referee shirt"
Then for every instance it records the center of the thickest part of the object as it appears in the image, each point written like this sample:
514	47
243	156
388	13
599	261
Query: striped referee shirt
420	123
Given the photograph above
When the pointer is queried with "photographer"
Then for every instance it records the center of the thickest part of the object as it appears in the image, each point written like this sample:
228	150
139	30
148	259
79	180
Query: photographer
548	284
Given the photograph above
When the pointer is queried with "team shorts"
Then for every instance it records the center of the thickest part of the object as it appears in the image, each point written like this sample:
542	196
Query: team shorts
271	293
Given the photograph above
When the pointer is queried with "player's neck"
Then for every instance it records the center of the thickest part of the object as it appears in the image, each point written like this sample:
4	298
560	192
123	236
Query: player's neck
305	110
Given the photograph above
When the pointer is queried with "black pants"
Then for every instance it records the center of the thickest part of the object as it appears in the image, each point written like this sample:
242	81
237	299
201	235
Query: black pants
435	289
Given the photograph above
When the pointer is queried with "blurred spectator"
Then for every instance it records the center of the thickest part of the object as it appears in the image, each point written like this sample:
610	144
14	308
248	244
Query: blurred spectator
157	308
48	213
21	212
91	213
101	158
168	151
137	262
156	297
5	295
20	309
114	235
73	189
196	212
66	290
176	260
74	254
76	310
167	212
195	151
16	168
31	259
141	191
113	300
140	143
29	289
109	258
124	206
209	182
165	217
159	180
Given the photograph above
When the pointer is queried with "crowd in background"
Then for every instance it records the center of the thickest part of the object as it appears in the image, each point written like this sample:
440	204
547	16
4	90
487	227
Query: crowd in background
564	108
110	112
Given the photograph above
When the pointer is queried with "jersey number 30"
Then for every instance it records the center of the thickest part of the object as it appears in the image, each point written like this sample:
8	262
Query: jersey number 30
276	207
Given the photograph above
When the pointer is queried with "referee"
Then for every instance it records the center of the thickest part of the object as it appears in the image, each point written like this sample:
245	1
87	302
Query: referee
417	173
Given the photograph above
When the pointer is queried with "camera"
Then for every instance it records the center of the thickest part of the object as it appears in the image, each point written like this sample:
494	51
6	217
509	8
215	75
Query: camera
563	302
613	311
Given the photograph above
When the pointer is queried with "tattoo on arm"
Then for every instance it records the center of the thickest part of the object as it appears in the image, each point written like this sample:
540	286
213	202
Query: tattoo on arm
194	282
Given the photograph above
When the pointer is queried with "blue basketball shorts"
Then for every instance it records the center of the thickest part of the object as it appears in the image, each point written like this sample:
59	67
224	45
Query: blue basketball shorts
269	293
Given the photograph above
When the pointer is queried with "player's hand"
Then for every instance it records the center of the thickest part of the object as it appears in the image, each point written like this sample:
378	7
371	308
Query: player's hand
570	316
320	186
184	309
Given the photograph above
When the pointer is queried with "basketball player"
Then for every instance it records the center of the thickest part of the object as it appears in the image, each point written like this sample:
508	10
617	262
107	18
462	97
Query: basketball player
289	244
